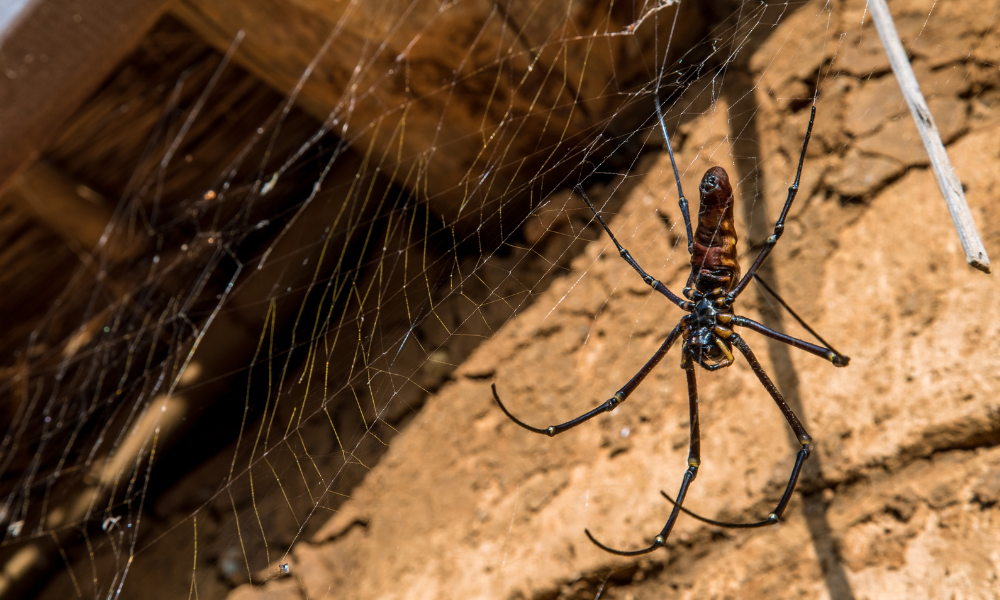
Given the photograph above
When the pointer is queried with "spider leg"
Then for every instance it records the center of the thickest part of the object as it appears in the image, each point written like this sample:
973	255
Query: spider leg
682	201
770	520
650	281
800	432
767	288
838	359
612	402
779	225
694	460
793	421
830	354
805	440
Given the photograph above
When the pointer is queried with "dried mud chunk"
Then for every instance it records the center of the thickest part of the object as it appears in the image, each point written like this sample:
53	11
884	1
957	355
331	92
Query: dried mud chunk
862	53
942	495
986	491
903	506
985	48
880	542
860	175
877	102
900	140
324	570
786	65
944	40
880	102
285	589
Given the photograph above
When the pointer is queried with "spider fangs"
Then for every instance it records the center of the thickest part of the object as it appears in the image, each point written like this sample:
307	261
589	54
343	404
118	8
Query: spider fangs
707	330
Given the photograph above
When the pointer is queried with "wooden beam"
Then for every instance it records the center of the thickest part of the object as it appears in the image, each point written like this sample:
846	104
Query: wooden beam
468	102
78	214
53	55
224	346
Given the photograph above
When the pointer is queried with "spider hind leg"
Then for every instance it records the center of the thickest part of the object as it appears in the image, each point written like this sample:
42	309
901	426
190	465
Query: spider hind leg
805	440
694	461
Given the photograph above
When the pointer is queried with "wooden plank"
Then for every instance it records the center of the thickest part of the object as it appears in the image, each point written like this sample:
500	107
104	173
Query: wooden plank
53	55
468	102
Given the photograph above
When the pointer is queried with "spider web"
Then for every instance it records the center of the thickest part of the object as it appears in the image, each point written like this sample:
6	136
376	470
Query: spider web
273	370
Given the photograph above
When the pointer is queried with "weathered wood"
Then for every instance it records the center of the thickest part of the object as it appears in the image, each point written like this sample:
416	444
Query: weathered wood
951	187
53	55
472	103
224	345
79	215
114	144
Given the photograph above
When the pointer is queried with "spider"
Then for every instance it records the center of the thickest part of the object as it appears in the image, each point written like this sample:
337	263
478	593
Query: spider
707	331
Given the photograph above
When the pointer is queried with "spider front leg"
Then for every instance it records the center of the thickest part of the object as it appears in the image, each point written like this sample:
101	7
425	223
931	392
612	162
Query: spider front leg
682	202
612	402
779	225
694	461
627	257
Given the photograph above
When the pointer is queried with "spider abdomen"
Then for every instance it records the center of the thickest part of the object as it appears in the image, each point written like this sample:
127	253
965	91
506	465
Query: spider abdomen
713	260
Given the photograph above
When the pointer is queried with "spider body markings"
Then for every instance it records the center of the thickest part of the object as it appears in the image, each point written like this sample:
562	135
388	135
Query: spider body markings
708	330
714	273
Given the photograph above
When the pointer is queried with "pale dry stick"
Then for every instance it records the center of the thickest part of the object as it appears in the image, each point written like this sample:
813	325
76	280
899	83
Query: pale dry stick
951	187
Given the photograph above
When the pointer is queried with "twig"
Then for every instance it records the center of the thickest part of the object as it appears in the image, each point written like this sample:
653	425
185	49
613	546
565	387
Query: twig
951	187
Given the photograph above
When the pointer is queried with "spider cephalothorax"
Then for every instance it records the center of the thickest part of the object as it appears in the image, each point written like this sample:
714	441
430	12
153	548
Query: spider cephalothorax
707	331
706	337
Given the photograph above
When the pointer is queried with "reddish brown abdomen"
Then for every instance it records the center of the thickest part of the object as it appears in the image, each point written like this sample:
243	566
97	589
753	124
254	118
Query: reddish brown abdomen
714	262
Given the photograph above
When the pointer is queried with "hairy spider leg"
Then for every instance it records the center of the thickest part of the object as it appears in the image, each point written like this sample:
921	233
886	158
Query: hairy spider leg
779	225
650	281
805	440
612	402
682	201
694	461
